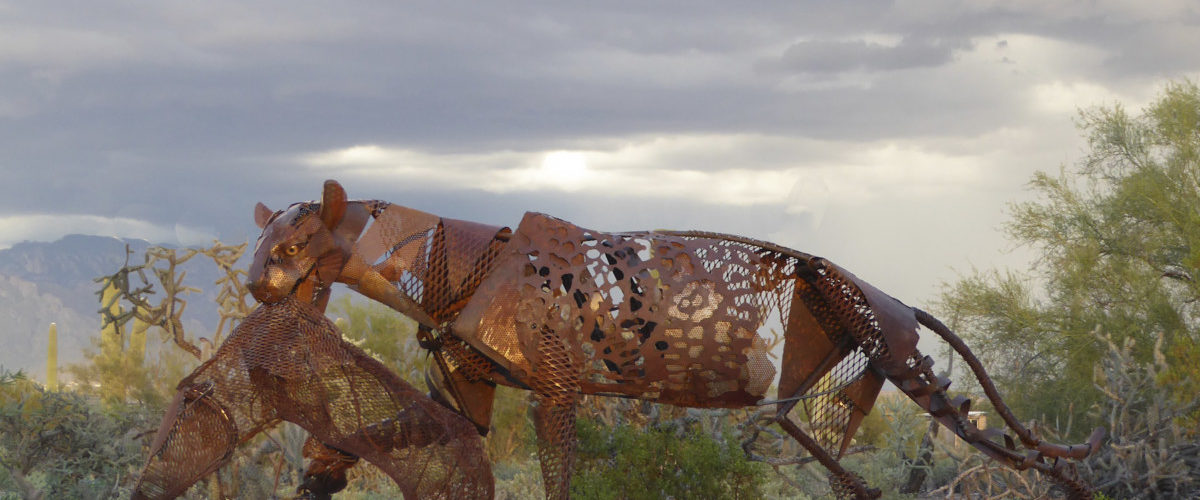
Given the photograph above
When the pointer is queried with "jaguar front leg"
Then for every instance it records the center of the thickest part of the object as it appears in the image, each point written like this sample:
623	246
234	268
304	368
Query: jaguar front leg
555	384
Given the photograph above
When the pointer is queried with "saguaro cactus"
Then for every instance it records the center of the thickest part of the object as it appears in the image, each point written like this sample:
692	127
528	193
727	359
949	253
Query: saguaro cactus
137	341
111	343
52	358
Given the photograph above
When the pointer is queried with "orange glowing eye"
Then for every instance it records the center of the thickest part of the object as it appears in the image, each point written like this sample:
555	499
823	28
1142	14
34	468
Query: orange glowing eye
292	250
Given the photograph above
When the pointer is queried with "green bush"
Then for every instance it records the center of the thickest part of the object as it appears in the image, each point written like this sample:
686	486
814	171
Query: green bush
657	462
64	445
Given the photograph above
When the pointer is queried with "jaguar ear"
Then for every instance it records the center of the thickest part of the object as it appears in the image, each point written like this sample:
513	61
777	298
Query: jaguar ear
262	214
333	204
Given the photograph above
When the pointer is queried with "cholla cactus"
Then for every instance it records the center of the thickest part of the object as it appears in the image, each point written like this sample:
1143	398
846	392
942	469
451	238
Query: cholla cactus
167	312
1150	455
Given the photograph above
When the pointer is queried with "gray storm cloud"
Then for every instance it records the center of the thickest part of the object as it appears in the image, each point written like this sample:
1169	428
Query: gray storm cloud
833	56
830	124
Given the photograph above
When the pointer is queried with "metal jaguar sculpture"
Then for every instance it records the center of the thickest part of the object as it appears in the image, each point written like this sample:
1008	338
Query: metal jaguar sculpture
286	361
667	316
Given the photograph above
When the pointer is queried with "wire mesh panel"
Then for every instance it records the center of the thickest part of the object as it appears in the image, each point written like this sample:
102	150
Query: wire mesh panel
845	394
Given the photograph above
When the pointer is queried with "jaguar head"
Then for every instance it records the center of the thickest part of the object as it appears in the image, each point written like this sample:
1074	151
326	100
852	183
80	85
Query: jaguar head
303	249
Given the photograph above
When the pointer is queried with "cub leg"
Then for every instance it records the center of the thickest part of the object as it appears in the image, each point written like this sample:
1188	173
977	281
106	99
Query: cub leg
197	436
326	472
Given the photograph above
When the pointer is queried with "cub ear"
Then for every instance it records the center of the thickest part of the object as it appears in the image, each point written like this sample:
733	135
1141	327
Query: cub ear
262	214
333	204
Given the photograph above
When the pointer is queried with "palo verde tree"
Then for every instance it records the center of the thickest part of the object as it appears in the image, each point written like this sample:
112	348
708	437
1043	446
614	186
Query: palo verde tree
1119	244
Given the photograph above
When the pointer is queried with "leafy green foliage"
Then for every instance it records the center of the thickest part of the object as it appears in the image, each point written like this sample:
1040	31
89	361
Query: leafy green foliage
518	479
895	427
512	436
63	445
119	378
1119	239
386	334
654	462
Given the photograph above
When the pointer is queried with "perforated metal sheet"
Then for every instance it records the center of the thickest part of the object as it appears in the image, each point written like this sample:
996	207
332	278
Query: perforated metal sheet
646	315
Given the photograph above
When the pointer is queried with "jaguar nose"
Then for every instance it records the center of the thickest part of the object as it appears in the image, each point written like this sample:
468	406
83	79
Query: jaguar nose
259	292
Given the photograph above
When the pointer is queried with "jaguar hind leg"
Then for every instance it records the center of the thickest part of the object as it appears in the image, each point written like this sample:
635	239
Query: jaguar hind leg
845	484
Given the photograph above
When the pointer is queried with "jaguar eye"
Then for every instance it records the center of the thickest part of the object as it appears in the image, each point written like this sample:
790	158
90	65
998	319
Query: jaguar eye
292	250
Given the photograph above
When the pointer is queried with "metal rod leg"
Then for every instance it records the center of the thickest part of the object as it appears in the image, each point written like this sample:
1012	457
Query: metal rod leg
847	478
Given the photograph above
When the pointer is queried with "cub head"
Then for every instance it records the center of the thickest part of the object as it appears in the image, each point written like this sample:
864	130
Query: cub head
302	249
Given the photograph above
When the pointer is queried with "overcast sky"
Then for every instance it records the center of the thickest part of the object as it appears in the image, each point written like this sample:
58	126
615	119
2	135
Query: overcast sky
888	137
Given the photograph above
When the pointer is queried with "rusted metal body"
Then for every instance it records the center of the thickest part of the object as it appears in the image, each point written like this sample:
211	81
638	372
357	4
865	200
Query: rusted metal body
675	317
286	361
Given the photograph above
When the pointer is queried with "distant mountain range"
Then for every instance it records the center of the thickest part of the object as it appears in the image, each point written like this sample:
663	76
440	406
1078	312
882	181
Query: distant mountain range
44	282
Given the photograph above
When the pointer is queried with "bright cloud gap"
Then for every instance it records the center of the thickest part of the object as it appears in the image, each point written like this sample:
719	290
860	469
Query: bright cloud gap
800	174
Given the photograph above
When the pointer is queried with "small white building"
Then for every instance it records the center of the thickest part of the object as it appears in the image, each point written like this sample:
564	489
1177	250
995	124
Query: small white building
978	418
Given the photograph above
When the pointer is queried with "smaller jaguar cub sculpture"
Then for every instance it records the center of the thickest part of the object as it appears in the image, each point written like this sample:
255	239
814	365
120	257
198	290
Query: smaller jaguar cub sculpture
286	361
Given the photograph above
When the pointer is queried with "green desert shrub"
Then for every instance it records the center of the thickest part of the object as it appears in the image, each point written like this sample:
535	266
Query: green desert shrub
662	462
60	444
